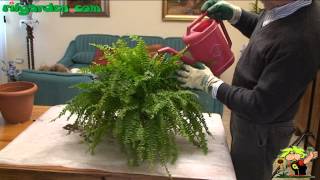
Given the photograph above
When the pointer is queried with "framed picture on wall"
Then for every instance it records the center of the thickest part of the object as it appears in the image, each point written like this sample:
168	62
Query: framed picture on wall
84	8
181	10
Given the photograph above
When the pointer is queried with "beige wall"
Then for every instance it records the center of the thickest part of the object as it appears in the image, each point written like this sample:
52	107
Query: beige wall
142	17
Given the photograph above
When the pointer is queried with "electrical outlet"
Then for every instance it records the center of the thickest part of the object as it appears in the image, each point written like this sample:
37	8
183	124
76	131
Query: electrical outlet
19	60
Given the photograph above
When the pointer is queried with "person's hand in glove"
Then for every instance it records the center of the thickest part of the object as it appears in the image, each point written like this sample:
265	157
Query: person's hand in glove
222	10
201	79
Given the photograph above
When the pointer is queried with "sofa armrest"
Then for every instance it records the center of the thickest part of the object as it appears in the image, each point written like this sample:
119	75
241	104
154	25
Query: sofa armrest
70	52
53	87
209	105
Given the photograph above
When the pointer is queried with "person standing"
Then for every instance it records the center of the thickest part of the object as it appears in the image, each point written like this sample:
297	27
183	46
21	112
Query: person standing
271	76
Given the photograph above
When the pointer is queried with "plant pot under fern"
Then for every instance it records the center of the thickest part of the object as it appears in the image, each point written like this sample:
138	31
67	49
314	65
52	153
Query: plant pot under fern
138	101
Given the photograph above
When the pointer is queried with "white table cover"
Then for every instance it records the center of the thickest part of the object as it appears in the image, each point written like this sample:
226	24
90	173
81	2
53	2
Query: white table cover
46	143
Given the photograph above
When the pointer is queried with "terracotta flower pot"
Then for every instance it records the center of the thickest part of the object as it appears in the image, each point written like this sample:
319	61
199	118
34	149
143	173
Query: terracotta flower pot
16	101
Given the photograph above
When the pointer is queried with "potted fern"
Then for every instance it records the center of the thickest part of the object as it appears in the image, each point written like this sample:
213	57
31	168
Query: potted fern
137	101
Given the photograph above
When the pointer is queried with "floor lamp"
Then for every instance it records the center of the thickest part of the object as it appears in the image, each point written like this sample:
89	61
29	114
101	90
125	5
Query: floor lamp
30	47
30	23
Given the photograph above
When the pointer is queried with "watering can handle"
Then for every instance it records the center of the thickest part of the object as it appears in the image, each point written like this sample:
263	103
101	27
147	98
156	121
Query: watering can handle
225	32
195	22
221	25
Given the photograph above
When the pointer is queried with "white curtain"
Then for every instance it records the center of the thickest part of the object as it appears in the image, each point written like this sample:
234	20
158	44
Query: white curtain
2	43
2	37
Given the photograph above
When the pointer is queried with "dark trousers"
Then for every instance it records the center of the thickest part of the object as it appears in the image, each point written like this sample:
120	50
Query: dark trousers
254	147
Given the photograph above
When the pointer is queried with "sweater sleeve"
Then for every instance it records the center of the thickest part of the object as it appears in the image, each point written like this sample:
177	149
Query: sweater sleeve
247	23
280	86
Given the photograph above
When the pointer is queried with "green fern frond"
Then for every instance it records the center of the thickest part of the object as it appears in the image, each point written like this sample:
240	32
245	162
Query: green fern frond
138	101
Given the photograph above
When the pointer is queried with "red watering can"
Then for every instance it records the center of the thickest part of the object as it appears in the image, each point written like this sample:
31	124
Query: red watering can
208	42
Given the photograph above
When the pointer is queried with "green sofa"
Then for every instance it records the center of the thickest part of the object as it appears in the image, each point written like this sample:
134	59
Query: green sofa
56	88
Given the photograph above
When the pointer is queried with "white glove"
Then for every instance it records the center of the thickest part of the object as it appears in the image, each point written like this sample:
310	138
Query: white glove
194	78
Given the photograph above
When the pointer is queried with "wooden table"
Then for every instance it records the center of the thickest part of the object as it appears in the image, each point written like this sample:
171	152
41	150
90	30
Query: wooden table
26	172
9	131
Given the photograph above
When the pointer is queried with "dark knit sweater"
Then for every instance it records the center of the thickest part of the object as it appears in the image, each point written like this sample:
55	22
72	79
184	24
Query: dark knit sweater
274	70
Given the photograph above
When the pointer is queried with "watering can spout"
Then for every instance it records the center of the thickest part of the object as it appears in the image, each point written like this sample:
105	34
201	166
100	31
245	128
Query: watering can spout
174	52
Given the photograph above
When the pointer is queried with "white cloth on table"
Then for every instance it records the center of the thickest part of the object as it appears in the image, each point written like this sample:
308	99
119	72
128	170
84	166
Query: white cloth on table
46	143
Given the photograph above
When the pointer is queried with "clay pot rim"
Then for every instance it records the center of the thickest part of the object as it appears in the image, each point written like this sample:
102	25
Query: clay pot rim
28	91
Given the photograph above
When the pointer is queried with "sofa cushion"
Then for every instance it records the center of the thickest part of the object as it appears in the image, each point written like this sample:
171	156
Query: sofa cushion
54	87
78	66
175	43
83	57
83	41
148	40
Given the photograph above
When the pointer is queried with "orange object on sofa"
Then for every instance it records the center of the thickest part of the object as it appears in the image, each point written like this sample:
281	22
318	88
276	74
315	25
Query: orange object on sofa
153	49
99	58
